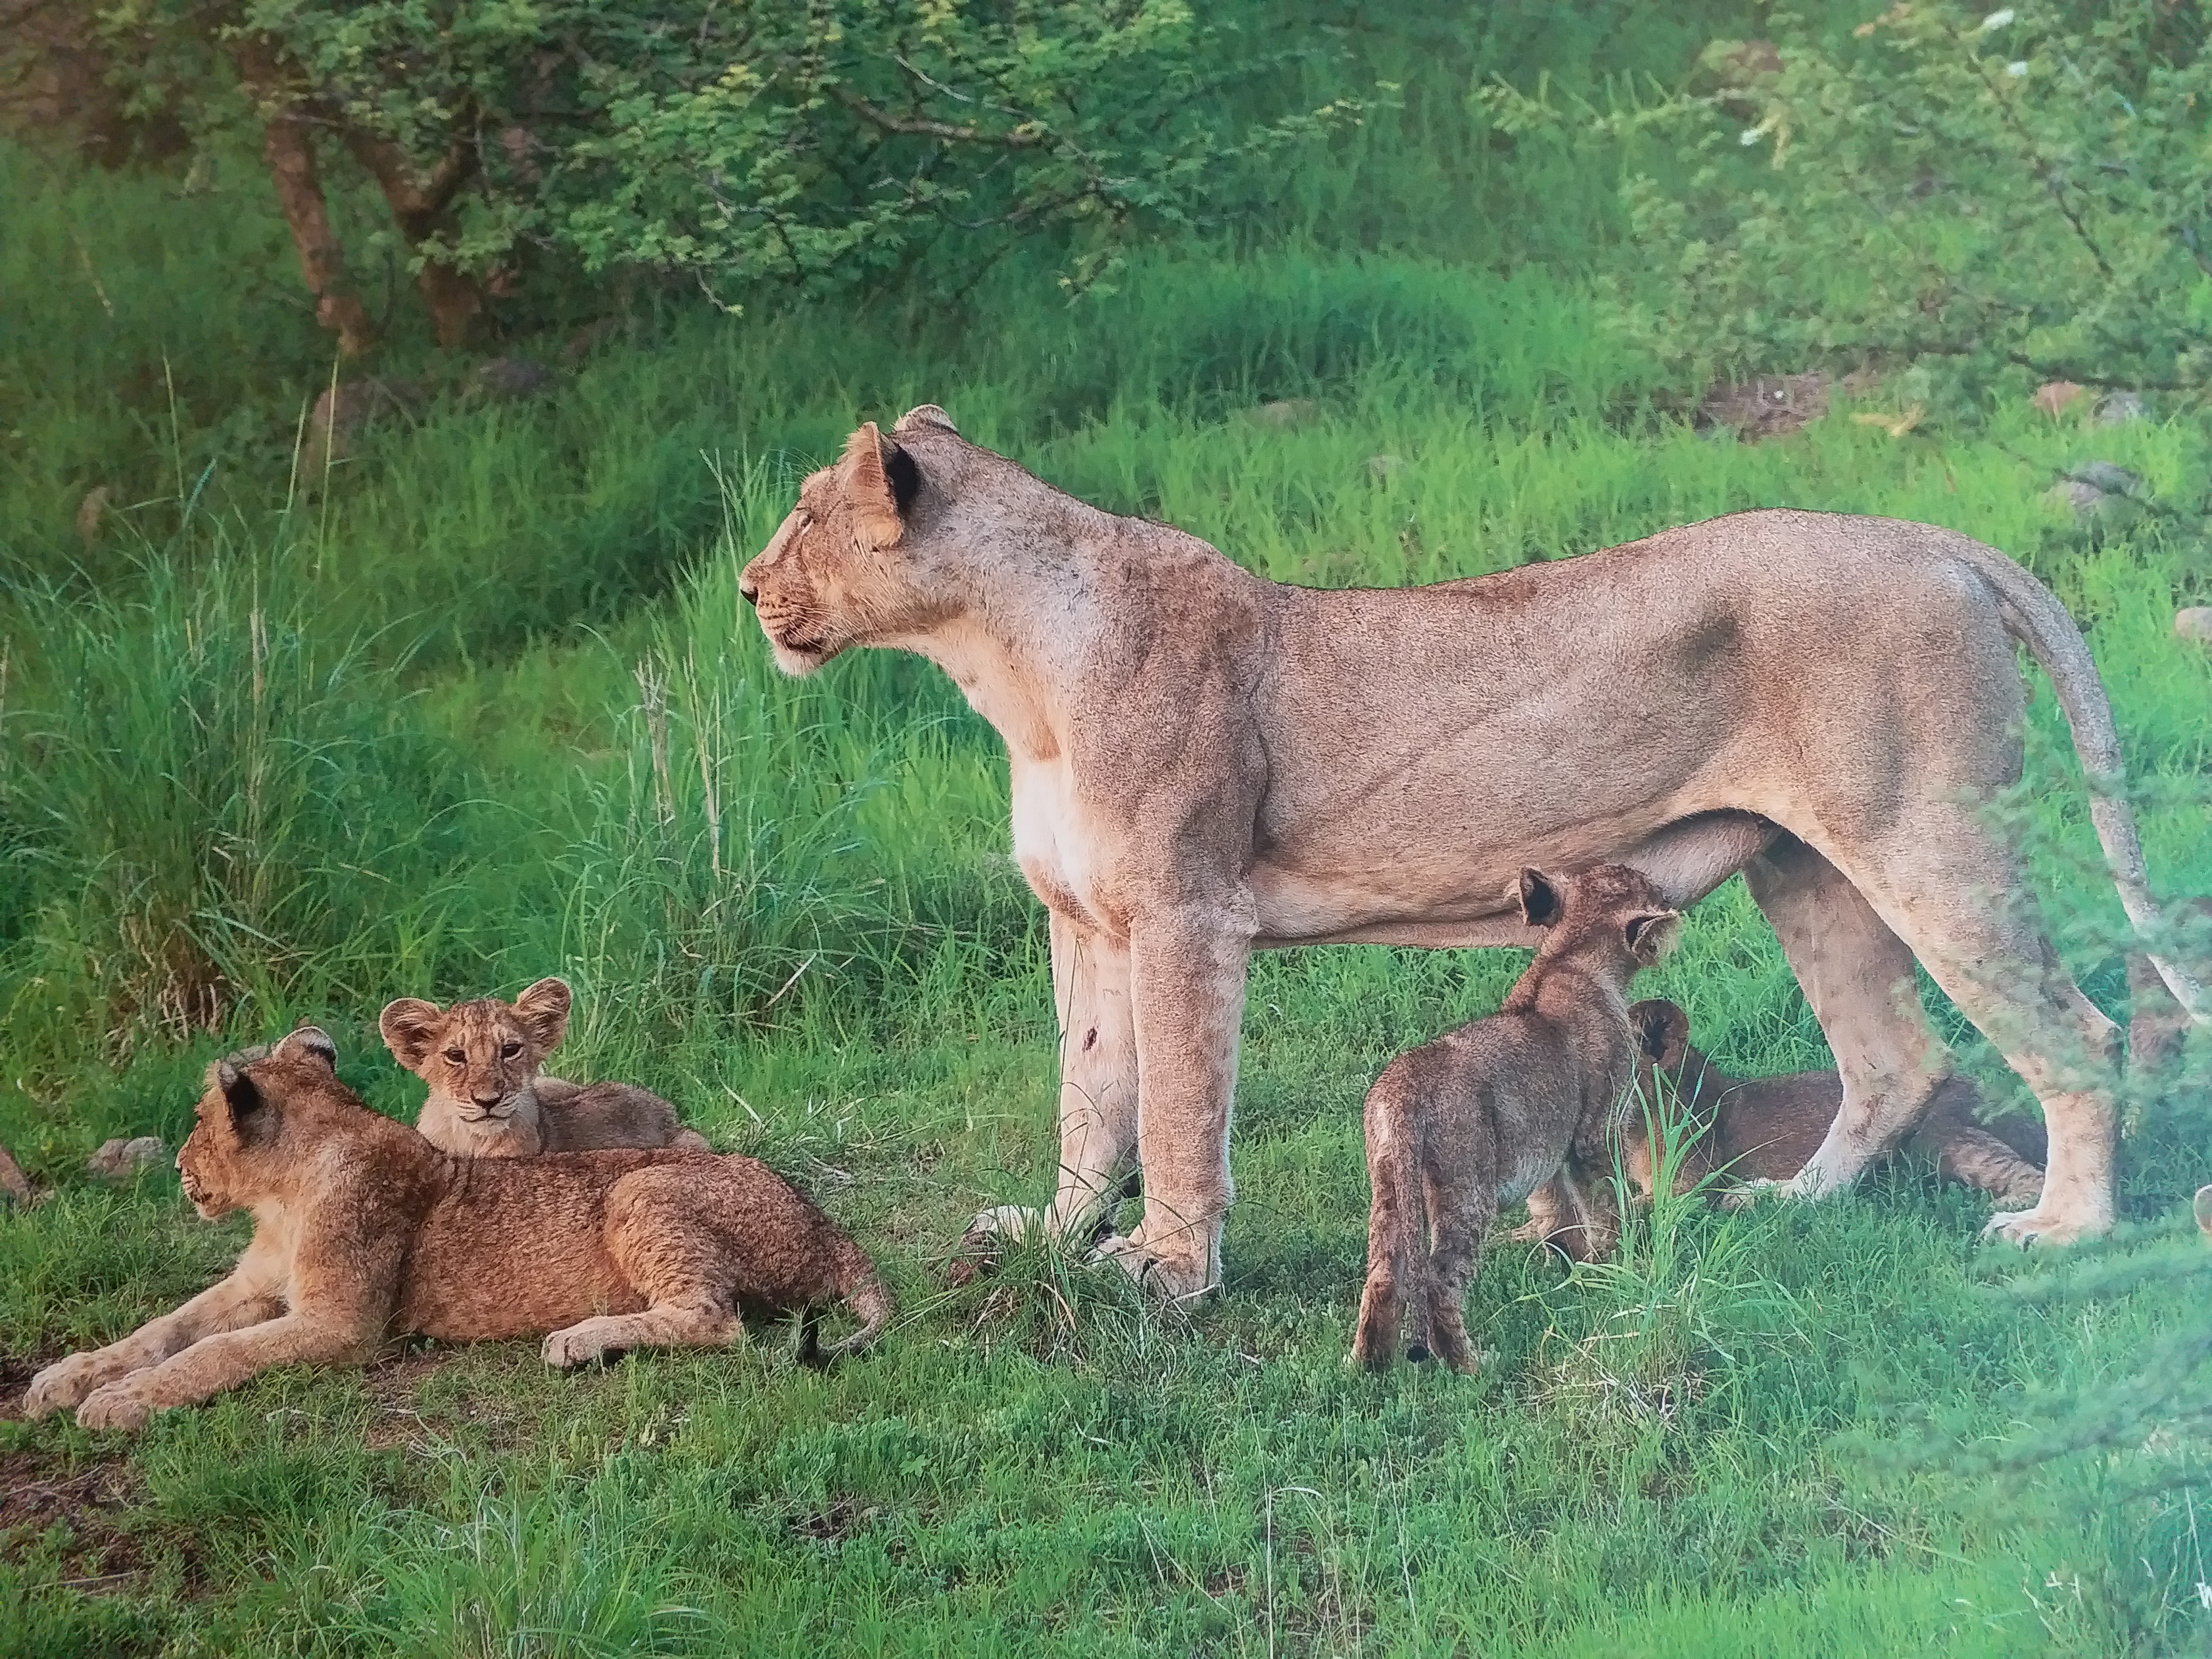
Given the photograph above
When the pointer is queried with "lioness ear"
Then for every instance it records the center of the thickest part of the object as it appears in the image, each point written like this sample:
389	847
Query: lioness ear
1651	935
310	1042
1663	1031
238	1093
1539	898
543	1010
410	1027
881	481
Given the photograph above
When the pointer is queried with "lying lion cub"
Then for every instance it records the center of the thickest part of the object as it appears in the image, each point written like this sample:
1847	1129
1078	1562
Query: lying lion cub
362	1230
1483	1115
1764	1129
484	1062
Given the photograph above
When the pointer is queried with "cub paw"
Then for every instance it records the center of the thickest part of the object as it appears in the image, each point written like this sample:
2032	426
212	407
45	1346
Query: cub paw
566	1350
121	1405
61	1385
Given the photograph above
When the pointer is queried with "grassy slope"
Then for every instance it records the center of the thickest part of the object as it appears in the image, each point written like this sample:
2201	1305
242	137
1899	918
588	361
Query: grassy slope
1703	1452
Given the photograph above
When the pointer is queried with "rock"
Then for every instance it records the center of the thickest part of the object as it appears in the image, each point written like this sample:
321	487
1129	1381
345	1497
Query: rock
344	412
2194	624
511	379
120	1159
2054	398
13	1181
2081	498
1769	407
1380	467
1287	412
2112	479
2121	408
91	514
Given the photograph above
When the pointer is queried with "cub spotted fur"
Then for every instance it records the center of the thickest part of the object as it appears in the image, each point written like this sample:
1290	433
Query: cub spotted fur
362	1231
485	1062
1487	1113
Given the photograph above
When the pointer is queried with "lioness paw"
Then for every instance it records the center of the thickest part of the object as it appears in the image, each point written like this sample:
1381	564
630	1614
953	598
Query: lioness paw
2035	1226
122	1404
1005	1223
580	1345
61	1385
1749	1193
1168	1280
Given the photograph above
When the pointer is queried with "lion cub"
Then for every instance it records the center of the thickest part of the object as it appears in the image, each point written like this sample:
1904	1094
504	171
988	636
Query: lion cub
1483	1113
488	1098
1765	1129
362	1230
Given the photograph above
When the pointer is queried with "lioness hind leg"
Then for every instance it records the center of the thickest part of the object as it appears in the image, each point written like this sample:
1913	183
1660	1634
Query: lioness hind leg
1856	975
1957	896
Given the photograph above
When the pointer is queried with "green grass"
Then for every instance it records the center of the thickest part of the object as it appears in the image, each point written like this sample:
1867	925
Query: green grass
485	705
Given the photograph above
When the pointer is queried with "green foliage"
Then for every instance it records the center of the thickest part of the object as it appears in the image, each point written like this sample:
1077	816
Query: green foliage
2016	191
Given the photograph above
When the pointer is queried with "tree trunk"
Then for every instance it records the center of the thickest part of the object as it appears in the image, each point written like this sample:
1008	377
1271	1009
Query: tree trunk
288	147
421	205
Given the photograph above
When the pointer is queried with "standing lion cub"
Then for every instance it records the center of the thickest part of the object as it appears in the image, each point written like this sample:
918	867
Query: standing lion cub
362	1231
1485	1114
488	1098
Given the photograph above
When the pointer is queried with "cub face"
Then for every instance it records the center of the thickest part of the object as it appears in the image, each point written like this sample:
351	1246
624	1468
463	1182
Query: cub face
241	1149
484	1056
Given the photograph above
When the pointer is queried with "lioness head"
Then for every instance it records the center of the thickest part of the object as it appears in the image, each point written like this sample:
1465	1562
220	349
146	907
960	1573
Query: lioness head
852	563
254	1121
484	1056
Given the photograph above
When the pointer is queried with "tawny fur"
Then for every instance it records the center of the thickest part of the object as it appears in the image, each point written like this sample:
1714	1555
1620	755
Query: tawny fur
1484	1114
1765	1128
1204	762
484	1061
363	1231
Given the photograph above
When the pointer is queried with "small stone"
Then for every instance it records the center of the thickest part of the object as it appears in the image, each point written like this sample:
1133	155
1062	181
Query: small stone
1380	467
2121	408
13	1181
511	379
344	412
2194	624
2054	398
1287	412
119	1159
91	514
2105	475
2084	499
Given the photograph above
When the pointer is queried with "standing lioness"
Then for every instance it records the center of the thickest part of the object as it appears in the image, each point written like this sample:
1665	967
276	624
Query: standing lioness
1204	762
362	1230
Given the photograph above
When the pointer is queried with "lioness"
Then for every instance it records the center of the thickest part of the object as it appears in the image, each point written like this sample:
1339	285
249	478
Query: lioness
1204	762
485	1062
362	1230
1483	1114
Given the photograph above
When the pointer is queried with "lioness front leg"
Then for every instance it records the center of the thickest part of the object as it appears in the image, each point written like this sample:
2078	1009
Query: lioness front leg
245	1298
1097	1085
219	1363
1187	982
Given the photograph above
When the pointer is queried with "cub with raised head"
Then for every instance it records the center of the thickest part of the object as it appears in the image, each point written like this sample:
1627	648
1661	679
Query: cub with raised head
1485	1114
484	1061
1766	1128
362	1231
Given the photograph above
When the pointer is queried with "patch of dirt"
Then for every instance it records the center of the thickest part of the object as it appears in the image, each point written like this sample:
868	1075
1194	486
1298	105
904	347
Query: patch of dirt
844	1517
42	1490
1770	406
391	1388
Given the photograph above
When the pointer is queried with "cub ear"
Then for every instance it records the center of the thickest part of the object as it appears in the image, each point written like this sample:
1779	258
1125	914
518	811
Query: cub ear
881	481
1663	1031
240	1094
923	415
543	1010
1651	934
310	1042
1539	898
410	1027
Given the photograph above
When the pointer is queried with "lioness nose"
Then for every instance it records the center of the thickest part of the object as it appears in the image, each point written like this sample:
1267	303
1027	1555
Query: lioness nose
746	587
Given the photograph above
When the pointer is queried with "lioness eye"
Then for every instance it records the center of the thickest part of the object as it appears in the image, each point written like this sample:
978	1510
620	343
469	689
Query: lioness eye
458	1056
510	1050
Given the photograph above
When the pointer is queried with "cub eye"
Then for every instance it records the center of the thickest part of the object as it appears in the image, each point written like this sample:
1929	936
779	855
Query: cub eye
510	1050
458	1056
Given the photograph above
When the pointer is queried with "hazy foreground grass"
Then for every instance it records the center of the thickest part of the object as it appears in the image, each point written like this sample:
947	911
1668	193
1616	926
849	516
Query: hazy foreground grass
448	720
